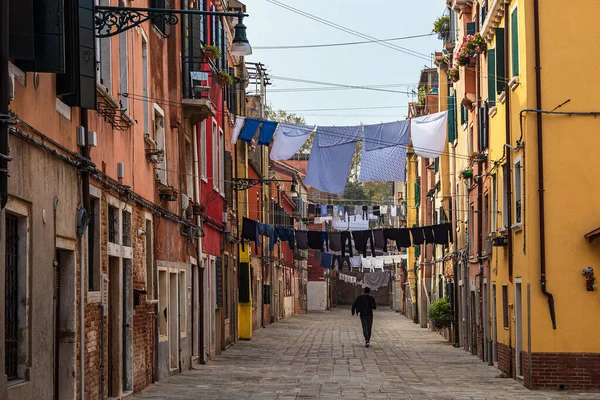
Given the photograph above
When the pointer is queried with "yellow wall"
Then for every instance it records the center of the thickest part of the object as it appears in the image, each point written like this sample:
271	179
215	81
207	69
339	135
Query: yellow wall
570	169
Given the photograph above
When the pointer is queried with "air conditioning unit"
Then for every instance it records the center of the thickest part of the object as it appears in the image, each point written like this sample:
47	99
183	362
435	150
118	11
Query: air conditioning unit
185	202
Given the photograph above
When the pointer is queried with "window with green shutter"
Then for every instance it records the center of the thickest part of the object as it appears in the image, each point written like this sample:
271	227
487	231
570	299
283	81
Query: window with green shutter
436	164
464	115
484	11
500	59
514	34
452	119
471	28
491	77
418	192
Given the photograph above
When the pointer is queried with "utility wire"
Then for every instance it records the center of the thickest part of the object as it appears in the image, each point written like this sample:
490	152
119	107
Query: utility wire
351	31
311	46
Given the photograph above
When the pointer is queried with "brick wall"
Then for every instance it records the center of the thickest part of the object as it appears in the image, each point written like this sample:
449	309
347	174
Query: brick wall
565	371
505	357
480	338
346	292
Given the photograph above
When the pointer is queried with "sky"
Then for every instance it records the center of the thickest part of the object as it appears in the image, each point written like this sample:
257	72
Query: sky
364	64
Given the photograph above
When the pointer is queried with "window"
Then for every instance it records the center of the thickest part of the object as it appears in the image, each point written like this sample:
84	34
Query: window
500	60
145	91
505	305
505	194
491	60
126	229
189	169
486	215
452	118
149	261
514	35
162	303
221	151
484	11
494	216
483	126
418	192
160	23
15	319
471	232
103	57
518	184
215	155
436	165
113	224
159	138
202	20
226	284
471	139
213	28
123	71
471	28
288	283
94	247
202	151
464	114
182	303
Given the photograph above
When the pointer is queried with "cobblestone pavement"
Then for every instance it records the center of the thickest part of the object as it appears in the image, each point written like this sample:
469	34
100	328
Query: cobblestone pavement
321	356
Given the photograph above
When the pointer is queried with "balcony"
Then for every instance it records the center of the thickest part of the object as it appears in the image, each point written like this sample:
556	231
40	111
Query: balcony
201	92
459	5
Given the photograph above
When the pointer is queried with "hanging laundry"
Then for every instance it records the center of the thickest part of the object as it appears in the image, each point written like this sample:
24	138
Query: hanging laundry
361	239
367	263
428	232
450	231
384	165
377	263
429	134
311	208
351	210
302	240
328	136
393	211
250	231
375	280
441	234
249	130
400	236
376	211
239	122
317	240
355	262
417	236
330	210
286	235
326	260
268	230
386	135
288	140
380	242
266	132
328	167
323	211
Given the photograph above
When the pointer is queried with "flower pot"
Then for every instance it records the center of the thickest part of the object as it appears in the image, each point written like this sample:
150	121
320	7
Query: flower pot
467	174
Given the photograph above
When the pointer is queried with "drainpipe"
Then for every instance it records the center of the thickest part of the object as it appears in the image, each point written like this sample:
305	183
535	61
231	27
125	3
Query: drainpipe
540	145
102	351
56	302
480	259
508	154
4	100
85	190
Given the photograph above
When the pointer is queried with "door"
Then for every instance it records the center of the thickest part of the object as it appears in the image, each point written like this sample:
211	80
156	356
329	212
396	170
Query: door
127	326
115	324
66	326
518	328
494	324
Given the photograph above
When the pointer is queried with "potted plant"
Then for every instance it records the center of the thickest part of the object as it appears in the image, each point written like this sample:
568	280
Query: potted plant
453	74
499	241
168	193
440	313
224	78
472	46
198	209
441	26
212	52
155	156
590	279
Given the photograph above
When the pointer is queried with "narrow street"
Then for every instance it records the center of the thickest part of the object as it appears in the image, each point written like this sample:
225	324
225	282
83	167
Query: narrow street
321	355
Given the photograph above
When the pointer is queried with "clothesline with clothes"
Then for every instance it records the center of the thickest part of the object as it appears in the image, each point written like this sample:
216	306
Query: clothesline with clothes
347	241
383	157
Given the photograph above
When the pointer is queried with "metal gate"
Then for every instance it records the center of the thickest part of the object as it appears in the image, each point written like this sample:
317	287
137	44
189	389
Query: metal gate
11	299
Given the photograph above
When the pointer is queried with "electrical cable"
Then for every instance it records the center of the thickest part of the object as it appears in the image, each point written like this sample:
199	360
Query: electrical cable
310	46
351	31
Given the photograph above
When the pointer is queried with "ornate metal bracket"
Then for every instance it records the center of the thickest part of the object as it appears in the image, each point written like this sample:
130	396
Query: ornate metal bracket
110	20
240	184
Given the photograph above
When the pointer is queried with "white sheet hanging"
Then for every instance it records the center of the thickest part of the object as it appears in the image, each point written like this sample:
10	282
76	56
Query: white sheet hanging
429	134
288	140
237	128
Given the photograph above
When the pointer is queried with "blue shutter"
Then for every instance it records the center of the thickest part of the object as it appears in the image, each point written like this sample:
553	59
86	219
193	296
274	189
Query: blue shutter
452	119
514	34
213	28
224	49
500	59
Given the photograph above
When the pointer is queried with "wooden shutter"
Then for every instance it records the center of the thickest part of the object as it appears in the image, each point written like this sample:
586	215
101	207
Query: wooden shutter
483	127
213	28
223	46
491	59
202	22
514	33
20	34
78	83
500	59
471	28
196	47
452	119
159	22
228	178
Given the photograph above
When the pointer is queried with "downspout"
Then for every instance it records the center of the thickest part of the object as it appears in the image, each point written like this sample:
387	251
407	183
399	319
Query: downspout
508	141
56	302
4	100
102	351
540	145
480	259
85	182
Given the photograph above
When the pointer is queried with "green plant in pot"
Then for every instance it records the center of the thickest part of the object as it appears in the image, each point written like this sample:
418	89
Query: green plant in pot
467	173
212	51
224	78
440	313
441	25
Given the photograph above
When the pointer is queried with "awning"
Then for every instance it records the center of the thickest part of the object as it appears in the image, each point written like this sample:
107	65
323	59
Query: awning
591	236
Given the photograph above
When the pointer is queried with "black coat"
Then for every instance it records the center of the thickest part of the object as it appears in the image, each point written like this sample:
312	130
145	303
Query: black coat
364	305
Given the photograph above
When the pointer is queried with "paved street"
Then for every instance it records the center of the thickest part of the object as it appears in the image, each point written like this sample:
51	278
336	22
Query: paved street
321	356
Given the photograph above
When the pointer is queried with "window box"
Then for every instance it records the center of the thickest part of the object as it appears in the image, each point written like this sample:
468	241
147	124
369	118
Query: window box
493	111
499	241
198	209
167	192
155	156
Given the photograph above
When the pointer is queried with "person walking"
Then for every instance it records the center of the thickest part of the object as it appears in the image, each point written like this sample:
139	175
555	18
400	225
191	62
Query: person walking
364	306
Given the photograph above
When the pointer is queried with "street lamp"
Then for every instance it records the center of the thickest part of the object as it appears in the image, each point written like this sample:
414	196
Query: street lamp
240	47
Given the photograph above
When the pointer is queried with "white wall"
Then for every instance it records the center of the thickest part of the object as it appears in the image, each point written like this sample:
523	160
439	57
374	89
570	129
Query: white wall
317	296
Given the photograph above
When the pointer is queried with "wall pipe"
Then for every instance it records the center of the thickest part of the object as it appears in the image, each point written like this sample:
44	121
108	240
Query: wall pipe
85	190
56	302
4	101
507	153
540	145
102	350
